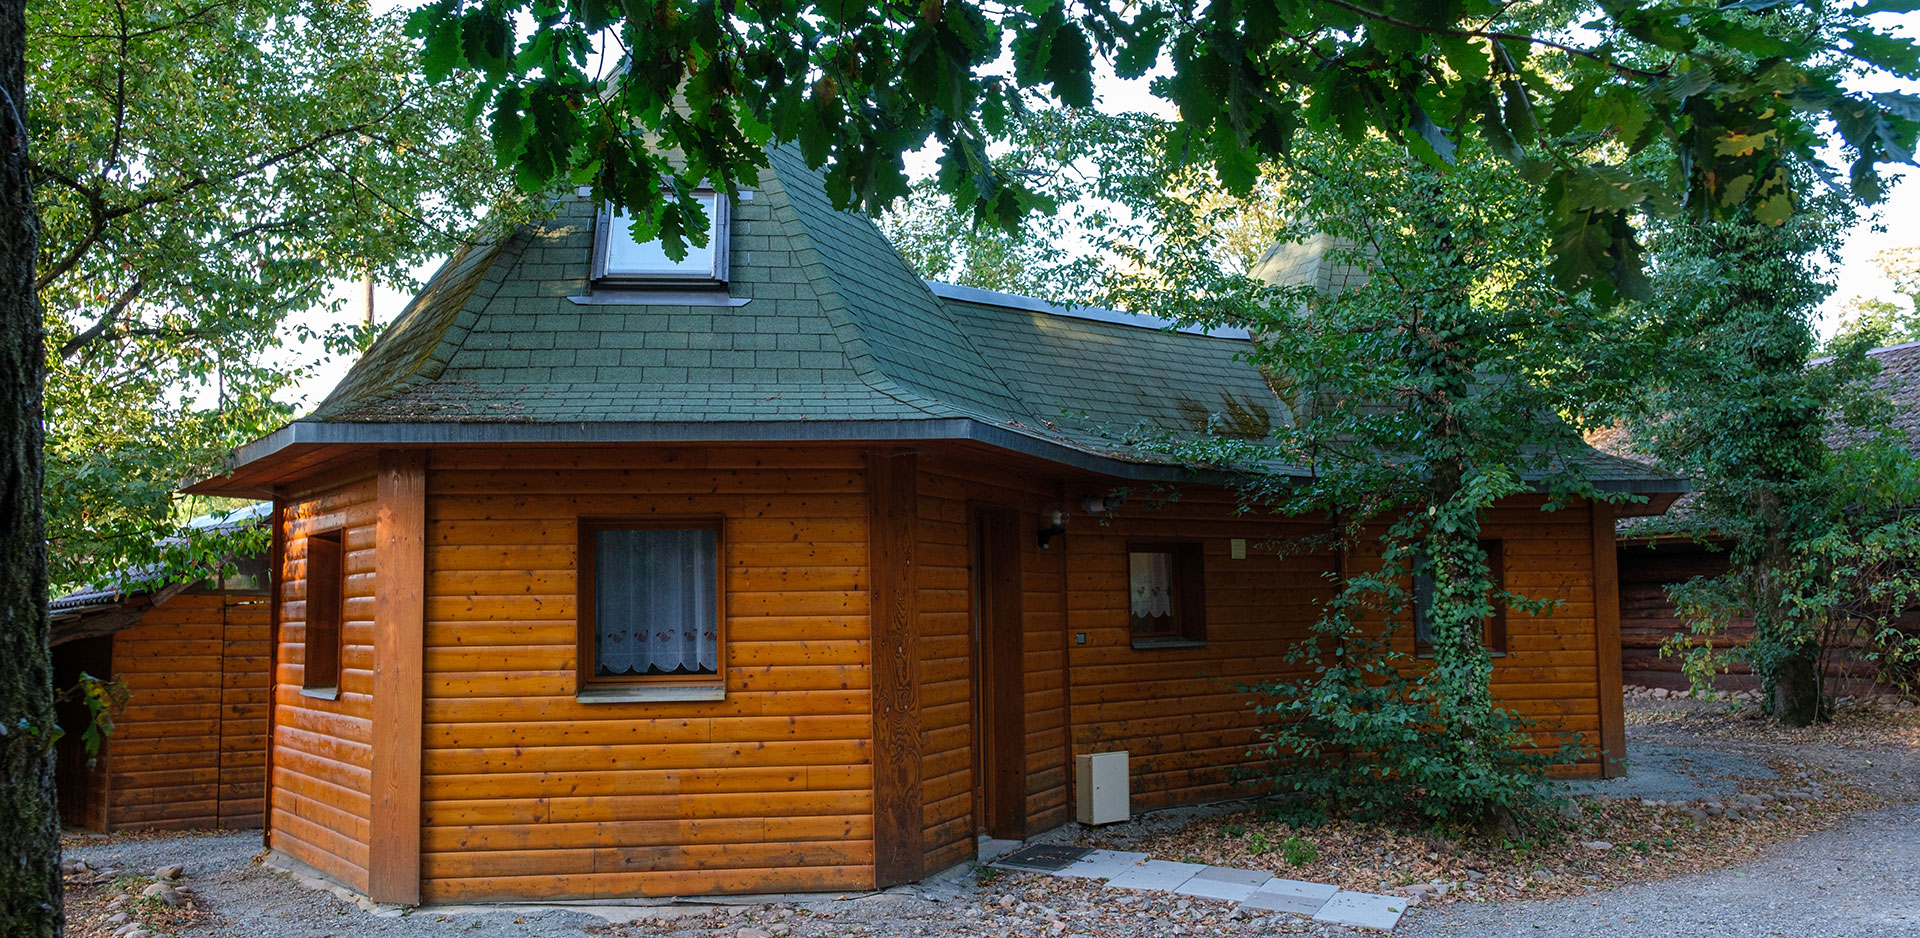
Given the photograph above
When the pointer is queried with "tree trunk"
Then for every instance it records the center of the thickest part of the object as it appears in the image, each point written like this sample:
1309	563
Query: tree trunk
30	836
1797	697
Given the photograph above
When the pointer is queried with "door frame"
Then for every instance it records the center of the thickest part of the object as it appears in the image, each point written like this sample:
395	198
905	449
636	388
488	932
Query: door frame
999	672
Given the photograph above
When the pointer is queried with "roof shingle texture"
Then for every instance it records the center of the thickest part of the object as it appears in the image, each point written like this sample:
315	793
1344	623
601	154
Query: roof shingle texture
837	327
833	326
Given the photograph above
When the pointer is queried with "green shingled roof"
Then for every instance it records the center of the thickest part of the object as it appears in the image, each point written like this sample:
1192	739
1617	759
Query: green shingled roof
835	326
822	323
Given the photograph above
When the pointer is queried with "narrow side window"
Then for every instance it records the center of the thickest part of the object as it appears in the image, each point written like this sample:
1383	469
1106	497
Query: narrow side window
326	599
1493	633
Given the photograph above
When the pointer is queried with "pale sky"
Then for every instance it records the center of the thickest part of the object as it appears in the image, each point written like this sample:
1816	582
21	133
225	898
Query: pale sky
1898	225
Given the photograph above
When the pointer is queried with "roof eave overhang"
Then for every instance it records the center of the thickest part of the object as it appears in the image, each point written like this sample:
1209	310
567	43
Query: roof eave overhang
261	466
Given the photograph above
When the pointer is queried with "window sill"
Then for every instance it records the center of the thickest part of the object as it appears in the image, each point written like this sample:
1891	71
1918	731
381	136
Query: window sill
629	295
1148	643
650	693
1428	655
321	693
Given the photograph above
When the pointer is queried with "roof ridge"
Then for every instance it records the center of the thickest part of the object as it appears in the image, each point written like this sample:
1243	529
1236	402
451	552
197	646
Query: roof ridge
829	282
964	293
429	362
853	341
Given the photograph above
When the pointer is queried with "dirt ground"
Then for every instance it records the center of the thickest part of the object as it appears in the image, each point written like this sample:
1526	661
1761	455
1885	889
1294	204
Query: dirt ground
1841	864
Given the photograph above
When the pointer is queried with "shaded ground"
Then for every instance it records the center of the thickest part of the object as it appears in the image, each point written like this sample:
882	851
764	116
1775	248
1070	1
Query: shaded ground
1854	879
1853	882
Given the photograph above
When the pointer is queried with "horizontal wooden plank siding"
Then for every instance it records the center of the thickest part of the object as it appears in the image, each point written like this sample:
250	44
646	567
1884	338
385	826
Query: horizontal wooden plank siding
1648	619
245	685
189	751
1177	710
529	793
950	489
165	760
323	749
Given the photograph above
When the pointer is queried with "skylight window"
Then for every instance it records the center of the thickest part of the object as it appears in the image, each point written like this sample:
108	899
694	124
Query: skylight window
620	259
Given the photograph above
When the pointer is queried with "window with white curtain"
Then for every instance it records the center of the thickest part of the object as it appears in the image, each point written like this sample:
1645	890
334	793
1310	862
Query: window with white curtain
1166	594
653	598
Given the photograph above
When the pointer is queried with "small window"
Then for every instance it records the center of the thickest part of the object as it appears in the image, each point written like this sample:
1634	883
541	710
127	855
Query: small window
650	604
1493	633
618	258
1165	584
326	600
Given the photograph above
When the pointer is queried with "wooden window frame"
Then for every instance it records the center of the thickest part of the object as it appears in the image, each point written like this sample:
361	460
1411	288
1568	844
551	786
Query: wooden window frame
1493	632
1189	595
596	688
321	673
718	237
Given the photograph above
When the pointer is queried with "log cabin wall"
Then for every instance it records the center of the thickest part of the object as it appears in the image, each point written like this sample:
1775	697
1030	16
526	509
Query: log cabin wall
322	754
245	685
1648	619
950	490
1553	671
189	751
528	792
1176	710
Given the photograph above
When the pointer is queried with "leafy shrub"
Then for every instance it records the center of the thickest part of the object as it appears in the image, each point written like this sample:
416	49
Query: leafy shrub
1298	851
1369	732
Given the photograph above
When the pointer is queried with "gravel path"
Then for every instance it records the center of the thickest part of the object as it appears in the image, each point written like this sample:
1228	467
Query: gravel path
1853	882
1856	881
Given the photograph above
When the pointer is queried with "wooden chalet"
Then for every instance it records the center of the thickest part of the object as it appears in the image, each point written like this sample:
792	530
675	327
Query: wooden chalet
780	569
1655	556
189	750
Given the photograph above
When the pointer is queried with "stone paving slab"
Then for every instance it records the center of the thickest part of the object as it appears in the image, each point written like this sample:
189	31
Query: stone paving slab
1362	910
1104	864
1290	895
1157	875
1226	883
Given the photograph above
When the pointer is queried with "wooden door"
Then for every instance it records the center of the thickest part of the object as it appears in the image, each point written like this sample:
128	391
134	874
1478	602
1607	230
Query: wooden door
999	685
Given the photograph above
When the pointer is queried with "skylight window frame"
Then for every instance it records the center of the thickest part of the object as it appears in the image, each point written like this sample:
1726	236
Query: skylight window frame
718	239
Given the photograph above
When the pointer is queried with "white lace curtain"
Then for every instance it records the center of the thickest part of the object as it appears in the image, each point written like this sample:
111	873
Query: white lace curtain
1150	574
655	593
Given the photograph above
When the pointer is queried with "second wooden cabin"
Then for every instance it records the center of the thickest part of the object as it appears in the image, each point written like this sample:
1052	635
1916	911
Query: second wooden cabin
780	569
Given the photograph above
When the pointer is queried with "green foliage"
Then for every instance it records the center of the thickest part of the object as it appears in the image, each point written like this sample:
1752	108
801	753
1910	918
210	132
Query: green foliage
1793	458
104	700
1298	851
1435	371
202	173
1697	106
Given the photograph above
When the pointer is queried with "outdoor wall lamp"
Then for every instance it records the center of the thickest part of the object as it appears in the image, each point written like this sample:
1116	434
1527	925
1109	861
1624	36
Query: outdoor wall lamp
1053	520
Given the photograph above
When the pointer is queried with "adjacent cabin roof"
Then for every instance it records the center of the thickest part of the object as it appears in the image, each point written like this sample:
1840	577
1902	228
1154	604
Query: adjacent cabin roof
121	600
1898	379
822	333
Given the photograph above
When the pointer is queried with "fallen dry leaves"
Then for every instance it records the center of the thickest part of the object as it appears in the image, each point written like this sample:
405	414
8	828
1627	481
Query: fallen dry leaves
1648	840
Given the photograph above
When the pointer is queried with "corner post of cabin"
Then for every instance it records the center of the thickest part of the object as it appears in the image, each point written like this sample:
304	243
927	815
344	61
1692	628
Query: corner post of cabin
276	575
1606	631
399	637
892	512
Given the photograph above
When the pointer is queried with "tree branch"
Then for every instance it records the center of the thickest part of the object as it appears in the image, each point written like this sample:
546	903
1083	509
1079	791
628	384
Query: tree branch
1494	36
103	215
107	319
186	20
